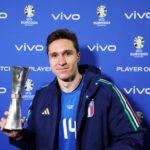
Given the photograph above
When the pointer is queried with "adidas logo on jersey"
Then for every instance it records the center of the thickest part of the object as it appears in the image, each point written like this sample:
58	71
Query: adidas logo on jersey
46	112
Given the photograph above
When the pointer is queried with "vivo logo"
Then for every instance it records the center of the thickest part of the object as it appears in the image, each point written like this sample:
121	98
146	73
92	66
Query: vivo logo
2	90
103	48
136	90
26	47
3	15
63	16
137	15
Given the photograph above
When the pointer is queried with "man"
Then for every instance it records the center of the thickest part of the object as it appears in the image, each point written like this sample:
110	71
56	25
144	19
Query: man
79	110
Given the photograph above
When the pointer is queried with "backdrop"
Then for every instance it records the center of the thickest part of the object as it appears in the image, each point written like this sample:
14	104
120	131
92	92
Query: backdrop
113	35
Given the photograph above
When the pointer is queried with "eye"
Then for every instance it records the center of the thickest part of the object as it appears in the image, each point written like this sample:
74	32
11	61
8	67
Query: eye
54	55
68	53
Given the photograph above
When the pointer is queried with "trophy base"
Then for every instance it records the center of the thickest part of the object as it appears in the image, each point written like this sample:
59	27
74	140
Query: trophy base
9	130
17	134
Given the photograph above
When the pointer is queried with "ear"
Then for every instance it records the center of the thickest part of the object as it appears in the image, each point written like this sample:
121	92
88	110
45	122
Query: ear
78	56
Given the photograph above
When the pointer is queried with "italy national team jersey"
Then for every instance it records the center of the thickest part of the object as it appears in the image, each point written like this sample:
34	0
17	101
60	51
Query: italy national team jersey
67	127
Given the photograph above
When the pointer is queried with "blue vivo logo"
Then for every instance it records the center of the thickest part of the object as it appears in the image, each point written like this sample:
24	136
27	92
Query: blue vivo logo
136	90
3	15
137	15
63	16
103	48
2	90
27	47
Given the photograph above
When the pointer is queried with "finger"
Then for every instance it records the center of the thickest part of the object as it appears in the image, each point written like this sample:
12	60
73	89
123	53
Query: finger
3	123
6	113
11	134
23	120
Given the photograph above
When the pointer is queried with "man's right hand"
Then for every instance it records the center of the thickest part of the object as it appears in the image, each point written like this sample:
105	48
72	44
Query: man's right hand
10	133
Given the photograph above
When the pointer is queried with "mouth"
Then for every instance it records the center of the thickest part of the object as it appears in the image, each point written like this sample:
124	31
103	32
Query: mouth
62	69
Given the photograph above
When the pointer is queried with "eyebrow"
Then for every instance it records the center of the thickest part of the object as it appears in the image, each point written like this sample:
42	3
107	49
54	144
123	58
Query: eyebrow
67	50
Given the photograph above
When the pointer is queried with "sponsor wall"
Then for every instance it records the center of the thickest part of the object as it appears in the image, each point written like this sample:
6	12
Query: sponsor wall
113	35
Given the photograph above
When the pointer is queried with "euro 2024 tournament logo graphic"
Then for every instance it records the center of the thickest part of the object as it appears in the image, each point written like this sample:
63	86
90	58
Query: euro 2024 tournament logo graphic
138	44
29	12
28	87
101	14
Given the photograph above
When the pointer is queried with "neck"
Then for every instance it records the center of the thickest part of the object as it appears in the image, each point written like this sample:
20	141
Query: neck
70	85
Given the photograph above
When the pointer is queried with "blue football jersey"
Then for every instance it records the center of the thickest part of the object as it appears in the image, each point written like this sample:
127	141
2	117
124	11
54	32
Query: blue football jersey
67	127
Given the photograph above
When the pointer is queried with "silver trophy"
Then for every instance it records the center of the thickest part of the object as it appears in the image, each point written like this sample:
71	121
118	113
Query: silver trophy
19	75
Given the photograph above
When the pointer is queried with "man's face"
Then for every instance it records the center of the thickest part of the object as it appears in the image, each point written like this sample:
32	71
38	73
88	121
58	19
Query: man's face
63	59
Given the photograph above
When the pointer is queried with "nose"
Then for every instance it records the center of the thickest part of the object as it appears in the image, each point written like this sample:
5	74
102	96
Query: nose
61	60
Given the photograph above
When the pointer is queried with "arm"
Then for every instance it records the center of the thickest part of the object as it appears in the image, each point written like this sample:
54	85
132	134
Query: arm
26	138
18	138
125	128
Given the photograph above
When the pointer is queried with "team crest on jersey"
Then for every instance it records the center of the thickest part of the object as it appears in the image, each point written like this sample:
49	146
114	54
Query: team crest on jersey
90	109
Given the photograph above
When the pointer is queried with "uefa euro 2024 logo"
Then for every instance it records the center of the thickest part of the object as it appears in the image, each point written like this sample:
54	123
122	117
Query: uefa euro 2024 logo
29	11
101	11
101	14
138	44
28	87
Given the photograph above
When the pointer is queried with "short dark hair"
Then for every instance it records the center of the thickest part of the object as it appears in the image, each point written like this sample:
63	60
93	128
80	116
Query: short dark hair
62	34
